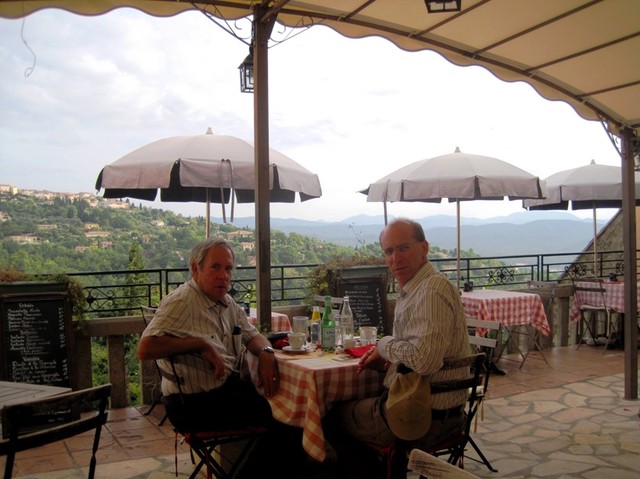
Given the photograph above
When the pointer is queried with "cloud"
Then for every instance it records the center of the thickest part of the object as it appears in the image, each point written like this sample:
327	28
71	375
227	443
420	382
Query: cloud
350	110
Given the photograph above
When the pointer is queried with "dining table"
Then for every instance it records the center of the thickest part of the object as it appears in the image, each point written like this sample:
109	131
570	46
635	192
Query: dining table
279	321
509	308
16	393
310	383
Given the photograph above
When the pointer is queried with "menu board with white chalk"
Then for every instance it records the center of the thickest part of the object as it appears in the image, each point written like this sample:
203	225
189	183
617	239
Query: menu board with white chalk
367	297
36	334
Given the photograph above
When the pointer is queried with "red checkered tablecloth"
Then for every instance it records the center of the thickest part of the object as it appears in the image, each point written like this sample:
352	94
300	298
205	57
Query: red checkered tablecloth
510	308
613	296
279	321
309	384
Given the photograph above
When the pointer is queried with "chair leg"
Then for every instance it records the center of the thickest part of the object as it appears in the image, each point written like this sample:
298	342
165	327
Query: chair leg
485	461
8	465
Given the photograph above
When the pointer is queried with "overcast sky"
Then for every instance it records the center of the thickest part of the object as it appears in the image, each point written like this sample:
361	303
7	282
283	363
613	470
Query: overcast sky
351	111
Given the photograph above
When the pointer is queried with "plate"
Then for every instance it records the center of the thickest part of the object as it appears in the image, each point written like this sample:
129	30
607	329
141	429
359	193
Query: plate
289	349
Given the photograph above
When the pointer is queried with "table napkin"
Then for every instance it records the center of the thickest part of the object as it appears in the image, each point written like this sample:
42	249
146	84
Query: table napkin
358	351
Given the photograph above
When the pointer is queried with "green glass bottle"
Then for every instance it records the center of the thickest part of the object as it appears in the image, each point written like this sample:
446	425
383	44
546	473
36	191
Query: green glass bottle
327	326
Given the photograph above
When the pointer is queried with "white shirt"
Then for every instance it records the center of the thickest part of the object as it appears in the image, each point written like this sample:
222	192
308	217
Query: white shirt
187	312
428	326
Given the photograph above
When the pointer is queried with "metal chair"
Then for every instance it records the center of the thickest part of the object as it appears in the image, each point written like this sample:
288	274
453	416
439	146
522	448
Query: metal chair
455	447
207	445
591	299
483	343
147	316
43	421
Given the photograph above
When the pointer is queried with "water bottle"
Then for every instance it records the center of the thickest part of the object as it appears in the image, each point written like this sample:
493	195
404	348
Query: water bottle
339	333
315	334
346	320
327	326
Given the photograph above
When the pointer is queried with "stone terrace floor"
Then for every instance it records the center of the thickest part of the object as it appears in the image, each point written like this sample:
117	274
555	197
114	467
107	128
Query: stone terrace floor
566	419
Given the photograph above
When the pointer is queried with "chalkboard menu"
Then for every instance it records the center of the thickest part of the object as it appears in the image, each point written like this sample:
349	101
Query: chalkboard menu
36	335
367	297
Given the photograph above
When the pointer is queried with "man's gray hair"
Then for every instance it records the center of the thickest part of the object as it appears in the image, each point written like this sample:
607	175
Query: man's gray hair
418	231
200	250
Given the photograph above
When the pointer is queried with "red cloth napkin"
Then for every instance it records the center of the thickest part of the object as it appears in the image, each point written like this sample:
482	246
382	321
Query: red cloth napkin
358	351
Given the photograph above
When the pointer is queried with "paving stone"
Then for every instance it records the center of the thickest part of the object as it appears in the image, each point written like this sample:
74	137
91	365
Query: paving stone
586	427
593	439
551	394
589	390
526	418
510	411
608	473
553	468
574	414
550	445
546	407
574	400
581	458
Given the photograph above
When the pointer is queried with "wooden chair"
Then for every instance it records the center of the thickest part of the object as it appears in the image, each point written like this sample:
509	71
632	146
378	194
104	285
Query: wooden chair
431	467
207	445
147	316
43	421
591	298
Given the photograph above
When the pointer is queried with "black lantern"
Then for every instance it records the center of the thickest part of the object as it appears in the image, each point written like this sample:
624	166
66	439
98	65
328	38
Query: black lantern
443	6
246	73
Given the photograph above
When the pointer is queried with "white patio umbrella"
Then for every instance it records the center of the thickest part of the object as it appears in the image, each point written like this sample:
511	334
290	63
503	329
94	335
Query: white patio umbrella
204	168
457	177
586	187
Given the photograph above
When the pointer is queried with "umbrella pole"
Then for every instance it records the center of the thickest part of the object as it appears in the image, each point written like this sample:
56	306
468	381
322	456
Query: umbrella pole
458	240
208	219
384	203
595	247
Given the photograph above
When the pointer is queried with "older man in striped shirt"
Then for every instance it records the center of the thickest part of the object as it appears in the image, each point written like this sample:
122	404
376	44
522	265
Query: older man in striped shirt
429	325
206	333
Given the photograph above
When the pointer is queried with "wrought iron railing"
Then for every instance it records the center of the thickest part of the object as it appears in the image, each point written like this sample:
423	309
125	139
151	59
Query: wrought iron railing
122	292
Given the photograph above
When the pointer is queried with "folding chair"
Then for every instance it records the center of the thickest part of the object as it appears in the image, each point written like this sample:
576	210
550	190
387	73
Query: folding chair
430	467
455	448
483	343
208	445
43	421
546	291
591	298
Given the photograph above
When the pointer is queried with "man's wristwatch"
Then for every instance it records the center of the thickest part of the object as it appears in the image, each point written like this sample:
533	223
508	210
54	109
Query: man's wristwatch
267	349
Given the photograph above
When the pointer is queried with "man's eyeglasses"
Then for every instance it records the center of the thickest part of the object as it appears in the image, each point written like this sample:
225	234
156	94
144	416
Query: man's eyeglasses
402	248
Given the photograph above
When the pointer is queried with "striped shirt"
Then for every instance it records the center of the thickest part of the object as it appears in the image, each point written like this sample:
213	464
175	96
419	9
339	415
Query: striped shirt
428	326
187	312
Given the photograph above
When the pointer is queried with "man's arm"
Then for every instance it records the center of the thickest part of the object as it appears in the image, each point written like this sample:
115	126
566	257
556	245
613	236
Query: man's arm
157	347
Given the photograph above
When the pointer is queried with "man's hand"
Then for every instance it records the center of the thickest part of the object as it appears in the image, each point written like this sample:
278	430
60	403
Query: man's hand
371	360
210	354
268	373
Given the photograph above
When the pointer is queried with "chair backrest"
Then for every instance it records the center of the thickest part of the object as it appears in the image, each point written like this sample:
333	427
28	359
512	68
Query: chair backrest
147	316
484	343
546	290
36	423
590	293
335	301
470	382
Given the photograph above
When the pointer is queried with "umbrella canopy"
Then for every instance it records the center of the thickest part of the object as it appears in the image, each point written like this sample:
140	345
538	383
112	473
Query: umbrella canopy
458	177
586	187
204	168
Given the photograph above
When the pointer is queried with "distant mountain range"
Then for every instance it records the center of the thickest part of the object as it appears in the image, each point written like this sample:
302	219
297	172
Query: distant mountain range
519	233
